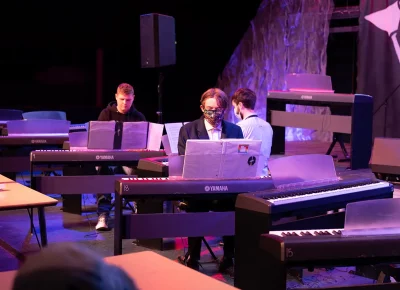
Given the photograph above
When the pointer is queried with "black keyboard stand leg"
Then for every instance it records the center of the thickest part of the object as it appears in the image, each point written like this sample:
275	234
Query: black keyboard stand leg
332	145
209	249
339	138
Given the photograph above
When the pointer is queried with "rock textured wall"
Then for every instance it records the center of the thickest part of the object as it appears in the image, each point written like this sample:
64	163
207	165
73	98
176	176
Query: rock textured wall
286	36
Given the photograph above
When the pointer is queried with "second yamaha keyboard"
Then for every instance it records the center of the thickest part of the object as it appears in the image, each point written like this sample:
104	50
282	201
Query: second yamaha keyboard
328	246
282	250
91	155
261	212
331	195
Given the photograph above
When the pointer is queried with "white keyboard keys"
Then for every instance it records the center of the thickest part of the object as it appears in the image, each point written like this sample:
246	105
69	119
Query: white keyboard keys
329	193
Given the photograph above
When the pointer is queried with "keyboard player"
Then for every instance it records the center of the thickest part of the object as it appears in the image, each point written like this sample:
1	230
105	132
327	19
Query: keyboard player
211	125
121	110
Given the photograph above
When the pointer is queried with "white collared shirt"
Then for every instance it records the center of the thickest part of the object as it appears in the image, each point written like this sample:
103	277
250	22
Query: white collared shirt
255	128
213	133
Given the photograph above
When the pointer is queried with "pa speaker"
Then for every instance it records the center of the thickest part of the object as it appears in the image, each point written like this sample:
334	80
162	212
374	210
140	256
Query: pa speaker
385	158
157	40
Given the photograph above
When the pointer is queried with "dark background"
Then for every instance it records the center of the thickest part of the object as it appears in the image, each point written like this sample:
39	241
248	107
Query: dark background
48	54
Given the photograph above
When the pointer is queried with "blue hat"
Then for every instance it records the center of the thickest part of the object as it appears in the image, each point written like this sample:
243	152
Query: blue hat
70	266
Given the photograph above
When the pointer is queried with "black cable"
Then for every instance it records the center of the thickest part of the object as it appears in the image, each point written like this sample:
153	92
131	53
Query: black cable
388	97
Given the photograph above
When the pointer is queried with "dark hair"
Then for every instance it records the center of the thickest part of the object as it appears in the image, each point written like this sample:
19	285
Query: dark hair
246	96
125	89
215	93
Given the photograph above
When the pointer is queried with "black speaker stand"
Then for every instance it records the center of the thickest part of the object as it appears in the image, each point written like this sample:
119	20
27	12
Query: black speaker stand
337	137
160	95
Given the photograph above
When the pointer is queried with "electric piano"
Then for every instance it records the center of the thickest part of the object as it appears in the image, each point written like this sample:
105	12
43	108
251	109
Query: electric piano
79	174
92	156
15	149
164	224
350	114
261	212
73	128
281	250
153	167
20	137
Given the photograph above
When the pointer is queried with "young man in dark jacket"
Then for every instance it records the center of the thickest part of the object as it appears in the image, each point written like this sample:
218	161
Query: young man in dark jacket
210	126
121	110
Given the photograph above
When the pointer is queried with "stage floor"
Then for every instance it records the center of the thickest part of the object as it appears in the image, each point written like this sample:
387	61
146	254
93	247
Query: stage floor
64	227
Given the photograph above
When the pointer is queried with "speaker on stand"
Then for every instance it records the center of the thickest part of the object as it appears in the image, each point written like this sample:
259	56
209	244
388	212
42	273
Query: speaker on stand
158	51
158	48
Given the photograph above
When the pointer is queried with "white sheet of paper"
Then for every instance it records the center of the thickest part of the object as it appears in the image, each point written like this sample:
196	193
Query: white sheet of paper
101	135
154	136
134	135
202	159
167	146
226	158
173	135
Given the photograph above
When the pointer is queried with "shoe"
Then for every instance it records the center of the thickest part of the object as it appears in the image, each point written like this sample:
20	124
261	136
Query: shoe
226	266
102	223
195	265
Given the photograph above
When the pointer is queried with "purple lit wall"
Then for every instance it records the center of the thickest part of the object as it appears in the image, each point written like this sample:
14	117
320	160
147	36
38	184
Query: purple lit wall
286	36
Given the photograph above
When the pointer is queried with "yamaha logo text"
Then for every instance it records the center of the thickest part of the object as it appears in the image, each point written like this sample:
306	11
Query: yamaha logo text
216	188
306	97
39	141
104	157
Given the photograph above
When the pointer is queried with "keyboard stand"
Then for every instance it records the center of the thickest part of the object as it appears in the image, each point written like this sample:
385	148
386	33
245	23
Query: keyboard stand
338	137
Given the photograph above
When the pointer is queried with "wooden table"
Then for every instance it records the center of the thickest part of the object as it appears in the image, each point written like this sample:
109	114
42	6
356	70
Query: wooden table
150	271
14	195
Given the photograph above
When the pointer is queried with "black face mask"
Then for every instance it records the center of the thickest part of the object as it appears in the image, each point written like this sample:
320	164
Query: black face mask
214	117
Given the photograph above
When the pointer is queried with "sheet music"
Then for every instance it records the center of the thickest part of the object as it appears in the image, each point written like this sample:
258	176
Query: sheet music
226	158
101	135
134	135
154	136
299	170
173	135
202	159
167	146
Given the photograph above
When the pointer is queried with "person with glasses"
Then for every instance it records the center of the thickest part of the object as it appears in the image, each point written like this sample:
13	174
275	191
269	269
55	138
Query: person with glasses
211	126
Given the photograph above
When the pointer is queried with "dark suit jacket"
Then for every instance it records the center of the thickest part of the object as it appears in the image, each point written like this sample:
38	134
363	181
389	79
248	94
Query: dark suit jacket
197	130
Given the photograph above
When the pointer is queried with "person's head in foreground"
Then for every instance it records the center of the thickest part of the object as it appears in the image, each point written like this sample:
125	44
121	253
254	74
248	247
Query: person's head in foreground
70	267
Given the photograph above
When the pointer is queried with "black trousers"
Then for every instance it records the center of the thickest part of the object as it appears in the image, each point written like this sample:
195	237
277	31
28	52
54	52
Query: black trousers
196	205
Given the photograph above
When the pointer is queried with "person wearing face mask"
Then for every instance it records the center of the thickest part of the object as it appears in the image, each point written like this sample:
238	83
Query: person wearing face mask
254	128
211	126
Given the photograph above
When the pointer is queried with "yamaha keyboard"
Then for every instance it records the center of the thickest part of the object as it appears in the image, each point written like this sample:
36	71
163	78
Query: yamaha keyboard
91	156
33	139
162	189
153	167
262	212
282	250
73	128
331	195
327	247
350	114
176	188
